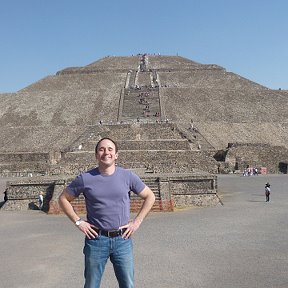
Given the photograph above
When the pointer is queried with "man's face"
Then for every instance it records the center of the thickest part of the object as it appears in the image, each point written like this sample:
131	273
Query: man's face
106	153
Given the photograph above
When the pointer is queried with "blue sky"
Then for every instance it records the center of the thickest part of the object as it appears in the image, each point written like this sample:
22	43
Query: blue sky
41	37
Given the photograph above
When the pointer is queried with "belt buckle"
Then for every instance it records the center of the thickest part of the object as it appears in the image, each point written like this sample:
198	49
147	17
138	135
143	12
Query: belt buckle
115	233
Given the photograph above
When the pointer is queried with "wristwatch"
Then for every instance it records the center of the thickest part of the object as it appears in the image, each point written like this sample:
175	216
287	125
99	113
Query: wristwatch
78	222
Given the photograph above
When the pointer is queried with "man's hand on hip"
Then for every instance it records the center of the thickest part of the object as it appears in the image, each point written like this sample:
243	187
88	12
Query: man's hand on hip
88	230
131	228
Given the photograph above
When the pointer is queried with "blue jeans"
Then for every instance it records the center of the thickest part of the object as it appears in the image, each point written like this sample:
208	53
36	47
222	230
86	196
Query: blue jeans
98	250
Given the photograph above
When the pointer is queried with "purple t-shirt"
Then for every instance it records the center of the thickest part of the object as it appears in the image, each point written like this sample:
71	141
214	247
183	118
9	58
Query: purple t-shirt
107	197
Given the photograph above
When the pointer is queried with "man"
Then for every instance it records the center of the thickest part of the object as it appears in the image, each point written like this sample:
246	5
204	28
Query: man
107	229
40	200
267	191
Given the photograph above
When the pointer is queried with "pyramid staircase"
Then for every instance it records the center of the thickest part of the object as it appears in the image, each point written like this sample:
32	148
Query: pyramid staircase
149	149
153	184
140	98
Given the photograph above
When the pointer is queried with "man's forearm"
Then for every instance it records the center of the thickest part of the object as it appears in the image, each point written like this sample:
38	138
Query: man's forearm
67	208
149	198
146	207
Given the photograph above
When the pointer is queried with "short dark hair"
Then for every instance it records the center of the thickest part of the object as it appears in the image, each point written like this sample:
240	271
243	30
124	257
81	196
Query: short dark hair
106	138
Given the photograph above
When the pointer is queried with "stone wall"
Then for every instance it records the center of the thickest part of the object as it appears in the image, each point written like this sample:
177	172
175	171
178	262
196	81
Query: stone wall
240	155
27	163
175	144
23	157
23	194
159	161
188	190
171	191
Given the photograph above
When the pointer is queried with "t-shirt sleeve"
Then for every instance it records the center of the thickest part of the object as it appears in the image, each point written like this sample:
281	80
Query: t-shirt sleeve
76	187
136	184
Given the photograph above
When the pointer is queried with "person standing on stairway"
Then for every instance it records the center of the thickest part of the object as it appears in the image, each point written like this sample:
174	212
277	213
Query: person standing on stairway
107	229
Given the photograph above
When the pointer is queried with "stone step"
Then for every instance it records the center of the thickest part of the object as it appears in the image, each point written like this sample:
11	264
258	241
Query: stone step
157	144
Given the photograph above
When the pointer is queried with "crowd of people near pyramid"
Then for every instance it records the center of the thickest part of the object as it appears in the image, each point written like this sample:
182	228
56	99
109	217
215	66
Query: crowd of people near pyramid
250	171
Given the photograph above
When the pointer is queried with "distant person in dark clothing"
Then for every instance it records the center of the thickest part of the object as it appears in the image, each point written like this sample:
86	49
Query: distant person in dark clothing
267	191
5	195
